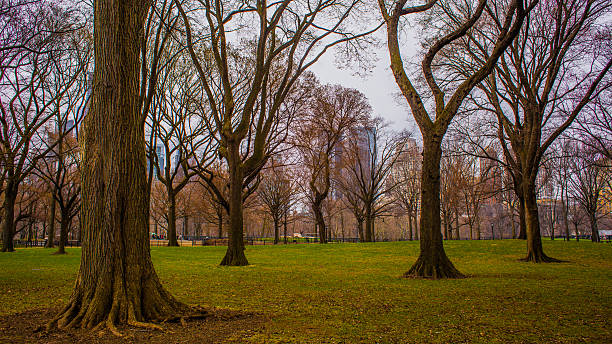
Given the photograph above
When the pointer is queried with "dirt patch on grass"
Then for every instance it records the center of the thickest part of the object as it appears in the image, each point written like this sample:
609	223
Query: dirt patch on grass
221	326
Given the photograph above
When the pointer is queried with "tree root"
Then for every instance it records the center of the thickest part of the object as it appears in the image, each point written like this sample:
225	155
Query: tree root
442	270
109	322
183	318
540	258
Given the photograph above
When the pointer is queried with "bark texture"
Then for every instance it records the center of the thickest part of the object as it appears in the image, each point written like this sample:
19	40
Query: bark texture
432	261
51	236
234	256
8	223
116	282
535	252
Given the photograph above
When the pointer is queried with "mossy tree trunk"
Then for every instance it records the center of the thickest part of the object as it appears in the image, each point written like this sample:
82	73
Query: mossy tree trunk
116	282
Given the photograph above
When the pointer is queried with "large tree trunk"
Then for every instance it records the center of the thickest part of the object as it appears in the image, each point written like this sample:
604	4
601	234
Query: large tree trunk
360	229
535	252
8	223
594	230
116	282
432	261
171	218
234	256
50	243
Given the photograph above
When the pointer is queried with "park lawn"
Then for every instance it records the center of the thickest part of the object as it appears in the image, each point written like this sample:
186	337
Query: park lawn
351	293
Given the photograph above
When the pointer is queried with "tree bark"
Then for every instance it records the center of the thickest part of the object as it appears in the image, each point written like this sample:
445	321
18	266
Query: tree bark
64	224
360	229
116	282
432	261
535	252
320	222
50	243
368	225
522	221
285	227
171	217
276	221
234	256
8	230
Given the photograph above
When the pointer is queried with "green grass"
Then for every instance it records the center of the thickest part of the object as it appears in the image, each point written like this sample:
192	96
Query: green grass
349	293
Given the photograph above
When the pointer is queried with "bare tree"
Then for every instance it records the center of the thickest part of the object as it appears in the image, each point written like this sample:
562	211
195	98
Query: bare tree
539	87
246	90
30	65
177	134
116	282
447	99
277	192
333	111
369	153
588	183
406	174
61	170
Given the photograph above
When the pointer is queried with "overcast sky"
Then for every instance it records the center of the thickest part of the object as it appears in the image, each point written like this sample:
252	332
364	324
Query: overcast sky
379	87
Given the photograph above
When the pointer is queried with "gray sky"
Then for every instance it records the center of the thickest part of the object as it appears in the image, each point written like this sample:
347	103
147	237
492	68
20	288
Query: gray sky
379	87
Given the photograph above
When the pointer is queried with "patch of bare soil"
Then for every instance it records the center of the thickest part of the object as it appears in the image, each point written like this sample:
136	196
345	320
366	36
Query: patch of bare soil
220	326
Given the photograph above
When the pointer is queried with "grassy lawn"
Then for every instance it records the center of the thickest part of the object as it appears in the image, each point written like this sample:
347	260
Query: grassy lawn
350	293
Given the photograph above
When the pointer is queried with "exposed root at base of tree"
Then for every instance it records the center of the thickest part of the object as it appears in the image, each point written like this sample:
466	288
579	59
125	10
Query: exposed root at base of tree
111	303
428	270
540	258
232	258
155	324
